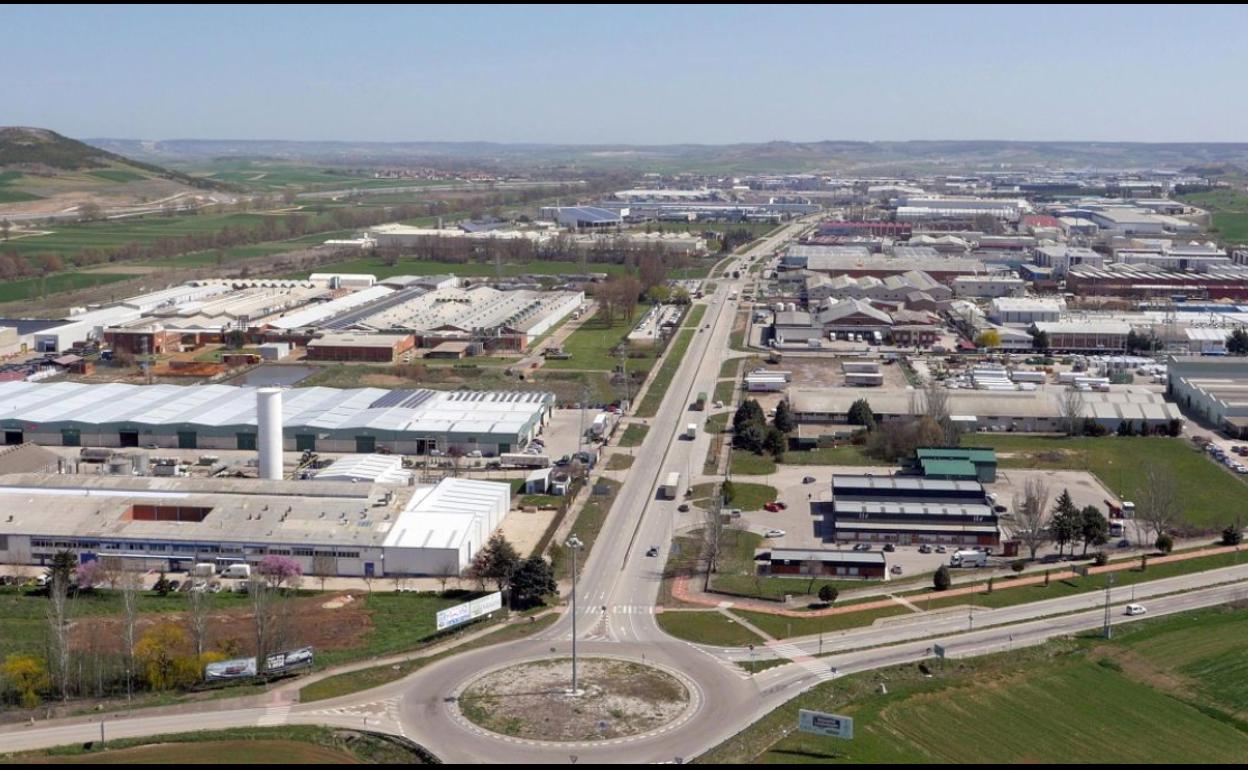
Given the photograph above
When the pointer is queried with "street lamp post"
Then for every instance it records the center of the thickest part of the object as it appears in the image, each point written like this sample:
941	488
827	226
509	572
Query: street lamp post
574	544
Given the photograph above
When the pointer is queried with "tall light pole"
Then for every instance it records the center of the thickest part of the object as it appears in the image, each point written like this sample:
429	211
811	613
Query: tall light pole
574	544
1109	584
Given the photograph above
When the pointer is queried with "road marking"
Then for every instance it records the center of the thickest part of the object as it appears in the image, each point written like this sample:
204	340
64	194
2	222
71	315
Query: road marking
273	716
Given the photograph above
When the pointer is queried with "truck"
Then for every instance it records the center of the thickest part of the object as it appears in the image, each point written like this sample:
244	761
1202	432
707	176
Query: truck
524	460
700	404
968	559
671	486
691	431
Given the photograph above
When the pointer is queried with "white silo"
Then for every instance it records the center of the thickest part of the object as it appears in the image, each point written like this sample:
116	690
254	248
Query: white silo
269	424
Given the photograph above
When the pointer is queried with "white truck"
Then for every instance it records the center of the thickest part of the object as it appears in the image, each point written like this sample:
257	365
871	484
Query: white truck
691	431
968	559
671	486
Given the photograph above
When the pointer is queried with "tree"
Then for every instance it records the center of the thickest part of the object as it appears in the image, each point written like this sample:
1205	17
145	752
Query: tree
828	593
157	651
1158	504
64	565
1094	528
1070	410
27	675
532	582
784	420
1065	524
1040	341
860	414
1030	509
942	579
500	560
58	613
161	586
933	402
6	227
989	338
324	566
775	443
198	614
279	570
1164	543
1237	342
89	575
130	582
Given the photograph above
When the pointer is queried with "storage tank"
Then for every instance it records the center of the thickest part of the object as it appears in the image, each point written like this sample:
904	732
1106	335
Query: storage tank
269	429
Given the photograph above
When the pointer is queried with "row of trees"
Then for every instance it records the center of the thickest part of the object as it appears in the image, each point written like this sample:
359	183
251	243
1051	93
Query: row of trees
100	659
931	425
525	582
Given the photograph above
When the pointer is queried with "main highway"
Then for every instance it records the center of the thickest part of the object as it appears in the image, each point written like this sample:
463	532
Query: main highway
616	594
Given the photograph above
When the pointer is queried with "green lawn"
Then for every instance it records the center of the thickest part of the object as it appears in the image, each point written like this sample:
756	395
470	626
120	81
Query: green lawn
657	391
634	434
401	621
1212	496
368	678
586	527
724	390
783	627
746	496
694	318
707	627
1230	212
1076	585
593	347
841	455
1143	698
746	463
619	462
380	269
728	370
716	423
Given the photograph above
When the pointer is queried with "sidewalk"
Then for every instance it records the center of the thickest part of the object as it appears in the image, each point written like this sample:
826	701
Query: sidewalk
681	590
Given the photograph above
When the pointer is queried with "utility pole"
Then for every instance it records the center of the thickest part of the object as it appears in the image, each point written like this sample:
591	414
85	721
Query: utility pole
574	544
1109	584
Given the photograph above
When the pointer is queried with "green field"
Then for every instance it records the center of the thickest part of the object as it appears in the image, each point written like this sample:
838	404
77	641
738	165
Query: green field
1169	690
1229	209
68	239
707	627
1212	496
746	463
117	175
841	455
586	527
633	435
34	288
784	627
212	257
657	391
8	195
746	496
593	347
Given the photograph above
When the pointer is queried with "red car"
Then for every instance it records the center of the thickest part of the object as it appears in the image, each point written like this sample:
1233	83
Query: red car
774	507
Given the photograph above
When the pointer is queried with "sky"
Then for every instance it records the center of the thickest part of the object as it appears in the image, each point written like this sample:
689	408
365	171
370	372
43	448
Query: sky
628	74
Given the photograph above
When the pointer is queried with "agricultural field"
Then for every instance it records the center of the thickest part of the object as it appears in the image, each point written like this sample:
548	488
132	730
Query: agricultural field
377	267
1229	209
71	238
1169	690
1211	496
34	288
10	195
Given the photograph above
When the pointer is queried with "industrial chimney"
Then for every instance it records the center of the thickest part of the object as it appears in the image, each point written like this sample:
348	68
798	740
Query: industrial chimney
269	423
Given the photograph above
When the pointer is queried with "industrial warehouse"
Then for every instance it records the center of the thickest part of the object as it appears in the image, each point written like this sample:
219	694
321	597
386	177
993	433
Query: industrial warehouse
362	420
906	510
331	528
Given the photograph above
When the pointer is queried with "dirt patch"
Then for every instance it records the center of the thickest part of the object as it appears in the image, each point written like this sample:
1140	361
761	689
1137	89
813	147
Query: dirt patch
335	624
530	700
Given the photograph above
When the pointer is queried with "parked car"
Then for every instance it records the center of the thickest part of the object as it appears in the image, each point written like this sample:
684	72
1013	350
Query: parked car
771	507
653	551
889	548
1124	543
683	507
862	546
925	548
774	533
808	480
1135	609
895	569
941	549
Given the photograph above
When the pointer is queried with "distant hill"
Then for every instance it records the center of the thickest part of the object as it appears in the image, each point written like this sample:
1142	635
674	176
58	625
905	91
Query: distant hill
779	156
41	150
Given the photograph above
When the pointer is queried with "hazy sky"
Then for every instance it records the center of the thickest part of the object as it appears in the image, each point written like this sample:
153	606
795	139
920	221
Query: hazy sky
628	74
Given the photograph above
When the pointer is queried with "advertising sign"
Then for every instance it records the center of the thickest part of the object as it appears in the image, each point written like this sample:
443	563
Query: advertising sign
231	669
829	725
462	613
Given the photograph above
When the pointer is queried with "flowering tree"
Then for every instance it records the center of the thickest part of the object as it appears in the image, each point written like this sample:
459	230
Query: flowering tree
279	570
89	574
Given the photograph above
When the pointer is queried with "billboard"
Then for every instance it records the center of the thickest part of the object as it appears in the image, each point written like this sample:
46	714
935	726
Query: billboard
462	613
829	725
277	663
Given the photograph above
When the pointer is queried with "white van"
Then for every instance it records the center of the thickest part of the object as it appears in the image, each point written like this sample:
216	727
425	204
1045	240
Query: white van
204	569
968	559
240	571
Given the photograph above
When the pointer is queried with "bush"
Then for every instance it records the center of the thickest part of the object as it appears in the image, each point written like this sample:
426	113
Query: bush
1101	559
1164	543
942	580
1018	565
828	594
1232	536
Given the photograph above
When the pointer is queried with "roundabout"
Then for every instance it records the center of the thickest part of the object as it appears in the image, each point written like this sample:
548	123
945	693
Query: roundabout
617	699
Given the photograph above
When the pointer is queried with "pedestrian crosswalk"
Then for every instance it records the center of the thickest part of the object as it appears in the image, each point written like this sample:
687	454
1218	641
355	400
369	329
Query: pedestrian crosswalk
822	670
373	713
273	716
